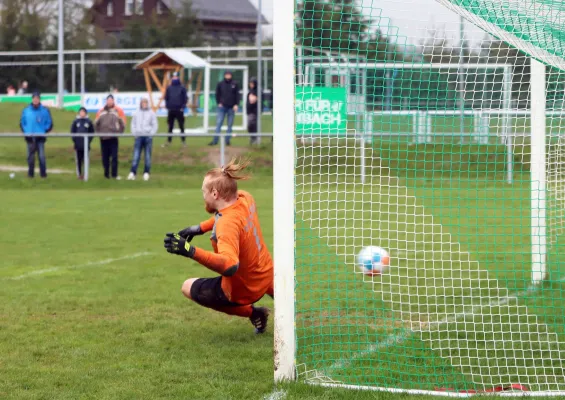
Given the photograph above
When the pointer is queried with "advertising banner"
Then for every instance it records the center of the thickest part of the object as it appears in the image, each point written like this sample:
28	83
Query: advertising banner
321	110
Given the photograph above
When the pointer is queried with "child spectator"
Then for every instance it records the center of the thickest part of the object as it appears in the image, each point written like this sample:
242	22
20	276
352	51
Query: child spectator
82	124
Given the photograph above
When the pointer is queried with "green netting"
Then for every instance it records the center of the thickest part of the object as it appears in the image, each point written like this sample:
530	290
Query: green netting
418	141
532	26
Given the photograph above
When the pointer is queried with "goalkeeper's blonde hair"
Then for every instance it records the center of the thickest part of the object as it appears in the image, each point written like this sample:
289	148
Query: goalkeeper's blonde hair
224	179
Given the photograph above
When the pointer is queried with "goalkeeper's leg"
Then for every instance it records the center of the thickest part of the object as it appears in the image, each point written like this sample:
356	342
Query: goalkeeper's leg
208	292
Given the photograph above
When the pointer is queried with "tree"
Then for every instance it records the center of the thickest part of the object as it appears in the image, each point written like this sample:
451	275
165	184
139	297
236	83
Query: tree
30	25
340	26
177	29
499	52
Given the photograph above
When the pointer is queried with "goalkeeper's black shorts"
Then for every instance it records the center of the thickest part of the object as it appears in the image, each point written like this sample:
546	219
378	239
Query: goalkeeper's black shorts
208	293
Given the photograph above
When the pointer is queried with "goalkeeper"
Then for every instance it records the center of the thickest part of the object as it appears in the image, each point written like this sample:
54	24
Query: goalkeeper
240	255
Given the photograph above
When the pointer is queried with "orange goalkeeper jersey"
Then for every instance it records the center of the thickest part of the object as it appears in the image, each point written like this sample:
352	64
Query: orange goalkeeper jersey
238	241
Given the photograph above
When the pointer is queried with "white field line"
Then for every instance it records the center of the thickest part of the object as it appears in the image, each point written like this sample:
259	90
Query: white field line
401	337
87	265
276	395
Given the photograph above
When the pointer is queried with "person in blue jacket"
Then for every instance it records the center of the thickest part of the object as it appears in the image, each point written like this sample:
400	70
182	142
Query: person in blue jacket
35	123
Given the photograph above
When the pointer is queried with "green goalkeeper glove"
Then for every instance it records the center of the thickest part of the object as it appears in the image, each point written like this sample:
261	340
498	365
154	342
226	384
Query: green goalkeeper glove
190	232
177	245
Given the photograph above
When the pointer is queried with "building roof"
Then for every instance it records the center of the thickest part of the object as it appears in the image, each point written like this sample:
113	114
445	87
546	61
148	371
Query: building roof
184	58
241	11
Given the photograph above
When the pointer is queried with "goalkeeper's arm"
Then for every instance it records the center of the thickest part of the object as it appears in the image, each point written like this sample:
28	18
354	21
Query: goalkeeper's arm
196	230
225	262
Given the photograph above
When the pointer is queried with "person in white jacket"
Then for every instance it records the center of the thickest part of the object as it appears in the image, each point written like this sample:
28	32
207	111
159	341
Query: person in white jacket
143	127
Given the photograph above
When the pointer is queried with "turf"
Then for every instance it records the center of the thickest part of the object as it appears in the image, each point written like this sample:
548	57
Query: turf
453	309
91	304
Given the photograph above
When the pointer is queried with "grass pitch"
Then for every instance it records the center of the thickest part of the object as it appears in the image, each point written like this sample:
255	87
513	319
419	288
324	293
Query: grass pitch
91	304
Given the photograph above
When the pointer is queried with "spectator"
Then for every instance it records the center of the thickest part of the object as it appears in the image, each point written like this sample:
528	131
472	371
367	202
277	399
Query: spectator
110	120
36	120
82	124
251	109
23	88
227	98
11	91
143	125
175	100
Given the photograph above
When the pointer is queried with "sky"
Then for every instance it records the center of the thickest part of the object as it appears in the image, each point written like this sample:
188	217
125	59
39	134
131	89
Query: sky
415	18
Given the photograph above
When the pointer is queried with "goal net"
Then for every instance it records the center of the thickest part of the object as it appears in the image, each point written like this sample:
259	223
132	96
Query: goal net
431	129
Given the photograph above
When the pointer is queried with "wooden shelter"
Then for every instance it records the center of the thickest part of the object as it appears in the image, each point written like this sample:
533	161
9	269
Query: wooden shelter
159	66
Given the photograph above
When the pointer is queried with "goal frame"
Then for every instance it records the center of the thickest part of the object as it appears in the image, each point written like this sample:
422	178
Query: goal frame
285	79
284	160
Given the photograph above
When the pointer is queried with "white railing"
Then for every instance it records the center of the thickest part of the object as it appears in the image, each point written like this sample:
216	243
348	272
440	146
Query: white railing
85	136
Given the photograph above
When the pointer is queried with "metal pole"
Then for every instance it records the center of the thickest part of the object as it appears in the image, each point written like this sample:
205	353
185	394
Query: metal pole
538	172
245	90
300	63
461	81
222	150
266	78
74	77
206	111
259	68
506	123
265	74
82	79
86	158
60	59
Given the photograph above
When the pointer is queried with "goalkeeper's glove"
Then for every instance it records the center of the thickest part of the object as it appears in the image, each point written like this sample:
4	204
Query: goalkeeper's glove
190	232
175	244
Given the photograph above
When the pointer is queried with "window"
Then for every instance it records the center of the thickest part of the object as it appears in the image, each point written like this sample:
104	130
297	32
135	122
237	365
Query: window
139	7
110	9
130	4
159	8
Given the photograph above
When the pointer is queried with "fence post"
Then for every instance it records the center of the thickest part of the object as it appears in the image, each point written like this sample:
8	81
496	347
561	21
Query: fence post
86	157
82	79
74	77
222	150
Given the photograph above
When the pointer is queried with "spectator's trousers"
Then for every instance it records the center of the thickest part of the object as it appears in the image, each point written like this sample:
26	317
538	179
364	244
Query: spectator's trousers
109	149
224	112
175	115
79	159
36	146
252	126
142	143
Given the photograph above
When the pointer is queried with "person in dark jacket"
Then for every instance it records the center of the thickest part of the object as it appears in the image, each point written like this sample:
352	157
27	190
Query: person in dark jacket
82	124
252	109
36	120
175	100
227	98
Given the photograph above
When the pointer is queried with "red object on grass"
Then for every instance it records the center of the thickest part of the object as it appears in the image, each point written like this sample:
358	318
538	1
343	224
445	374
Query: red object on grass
514	386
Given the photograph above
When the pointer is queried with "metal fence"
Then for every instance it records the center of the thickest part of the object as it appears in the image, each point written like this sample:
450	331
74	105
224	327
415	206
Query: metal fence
98	59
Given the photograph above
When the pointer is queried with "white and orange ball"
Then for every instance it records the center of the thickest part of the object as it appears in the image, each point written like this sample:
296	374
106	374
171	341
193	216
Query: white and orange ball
373	260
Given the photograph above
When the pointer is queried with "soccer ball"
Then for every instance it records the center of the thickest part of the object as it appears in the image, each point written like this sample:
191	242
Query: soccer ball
373	260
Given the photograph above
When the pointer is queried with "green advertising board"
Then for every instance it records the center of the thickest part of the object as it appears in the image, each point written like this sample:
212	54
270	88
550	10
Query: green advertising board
71	101
321	111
